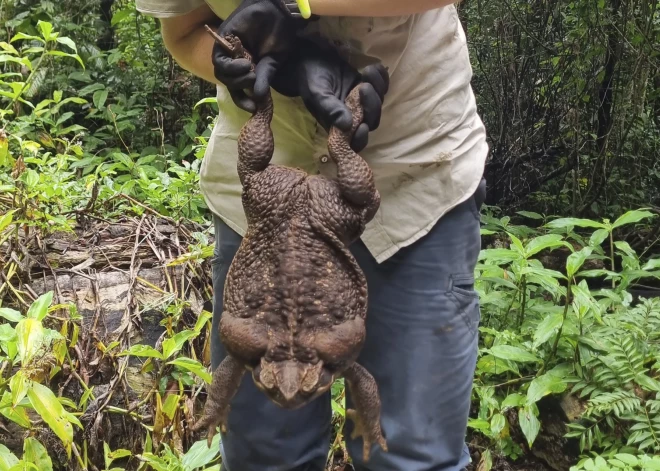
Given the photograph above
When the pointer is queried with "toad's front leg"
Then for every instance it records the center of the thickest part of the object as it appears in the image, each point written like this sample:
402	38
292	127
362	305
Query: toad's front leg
226	380
366	415
355	178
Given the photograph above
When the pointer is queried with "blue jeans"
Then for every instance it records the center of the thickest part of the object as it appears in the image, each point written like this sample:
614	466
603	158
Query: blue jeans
421	347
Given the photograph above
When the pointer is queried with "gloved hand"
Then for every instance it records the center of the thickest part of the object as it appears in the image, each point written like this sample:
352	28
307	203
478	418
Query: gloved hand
267	30
323	80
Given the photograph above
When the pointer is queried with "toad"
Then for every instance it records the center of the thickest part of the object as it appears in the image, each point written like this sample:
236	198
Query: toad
295	299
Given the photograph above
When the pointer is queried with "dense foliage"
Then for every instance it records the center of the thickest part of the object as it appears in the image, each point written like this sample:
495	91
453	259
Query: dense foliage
96	120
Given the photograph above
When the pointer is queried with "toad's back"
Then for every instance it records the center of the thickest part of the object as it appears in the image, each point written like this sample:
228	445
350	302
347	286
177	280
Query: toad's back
293	271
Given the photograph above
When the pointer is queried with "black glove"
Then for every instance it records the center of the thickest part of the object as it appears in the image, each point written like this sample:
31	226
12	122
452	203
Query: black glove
267	30
323	80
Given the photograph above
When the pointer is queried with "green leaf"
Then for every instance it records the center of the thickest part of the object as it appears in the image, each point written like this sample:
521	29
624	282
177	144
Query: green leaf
7	218
564	223
497	423
99	98
499	255
529	424
575	260
68	42
175	343
513	400
628	459
544	385
18	384
652	264
544	242
632	217
19	36
8	48
648	383
170	405
66	54
517	245
46	29
39	308
194	367
142	351
598	237
51	411
30	334
35	453
547	328
509	352
7	458
530	214
10	314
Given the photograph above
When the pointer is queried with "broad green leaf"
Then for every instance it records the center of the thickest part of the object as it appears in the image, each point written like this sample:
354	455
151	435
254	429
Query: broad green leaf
7	458
117	454
628	459
513	400
509	352
625	248
67	42
99	98
35	453
30	335
530	214
544	385
170	405
575	260
8	48
39	308
479	424
66	54
547	328
7	218
564	223
652	264
176	342
491	364
203	318
497	423
194	367
46	29
598	237
648	383
10	314
15	414
4	151
143	351
544	242
499	255
51	411
529	424
18	384
19	36
632	217
517	245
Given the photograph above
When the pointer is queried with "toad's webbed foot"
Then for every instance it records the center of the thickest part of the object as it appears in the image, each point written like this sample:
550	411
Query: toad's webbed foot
226	380
366	415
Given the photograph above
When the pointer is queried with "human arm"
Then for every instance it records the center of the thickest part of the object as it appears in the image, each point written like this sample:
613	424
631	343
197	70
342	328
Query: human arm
188	42
375	7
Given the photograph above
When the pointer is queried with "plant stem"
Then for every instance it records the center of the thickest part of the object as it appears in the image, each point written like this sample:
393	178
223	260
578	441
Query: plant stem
612	256
523	301
561	327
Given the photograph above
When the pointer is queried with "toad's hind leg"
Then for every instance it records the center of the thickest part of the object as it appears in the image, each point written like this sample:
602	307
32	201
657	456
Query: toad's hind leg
226	380
355	178
366	415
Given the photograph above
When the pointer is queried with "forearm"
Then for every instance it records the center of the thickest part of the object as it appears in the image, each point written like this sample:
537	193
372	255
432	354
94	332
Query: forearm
191	50
375	7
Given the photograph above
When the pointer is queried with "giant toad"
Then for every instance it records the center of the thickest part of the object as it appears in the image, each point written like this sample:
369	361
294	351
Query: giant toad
295	299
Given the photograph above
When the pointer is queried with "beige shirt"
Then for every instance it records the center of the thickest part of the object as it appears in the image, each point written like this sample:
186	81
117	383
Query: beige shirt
429	152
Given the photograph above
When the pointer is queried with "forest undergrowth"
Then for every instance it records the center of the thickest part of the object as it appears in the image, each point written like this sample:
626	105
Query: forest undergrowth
568	369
